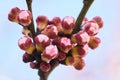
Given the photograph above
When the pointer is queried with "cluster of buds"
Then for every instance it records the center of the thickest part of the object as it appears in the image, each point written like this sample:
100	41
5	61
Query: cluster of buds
54	39
22	17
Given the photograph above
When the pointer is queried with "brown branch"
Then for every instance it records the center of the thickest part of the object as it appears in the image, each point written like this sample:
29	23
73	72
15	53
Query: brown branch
31	26
86	6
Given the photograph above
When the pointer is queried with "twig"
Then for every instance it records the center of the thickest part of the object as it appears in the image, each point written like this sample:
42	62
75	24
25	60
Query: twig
86	6
31	26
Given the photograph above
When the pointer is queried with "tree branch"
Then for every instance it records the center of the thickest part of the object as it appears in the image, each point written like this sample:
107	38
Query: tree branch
86	6
31	26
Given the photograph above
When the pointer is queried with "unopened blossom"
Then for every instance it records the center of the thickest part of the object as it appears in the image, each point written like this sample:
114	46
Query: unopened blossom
26	44
65	44
42	41
51	31
79	50
78	63
69	60
42	22
33	65
81	37
99	21
91	27
61	56
68	24
26	32
49	53
28	57
12	16
24	17
84	20
45	66
55	41
57	22
94	42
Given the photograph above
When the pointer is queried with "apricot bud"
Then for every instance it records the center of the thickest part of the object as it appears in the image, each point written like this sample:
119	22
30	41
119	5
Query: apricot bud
24	17
94	42
25	43
42	22
68	24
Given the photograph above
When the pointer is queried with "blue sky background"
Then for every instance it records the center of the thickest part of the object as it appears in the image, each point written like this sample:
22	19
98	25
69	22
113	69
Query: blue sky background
101	64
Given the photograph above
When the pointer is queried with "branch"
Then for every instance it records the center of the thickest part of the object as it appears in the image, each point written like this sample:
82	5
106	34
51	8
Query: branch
86	6
31	26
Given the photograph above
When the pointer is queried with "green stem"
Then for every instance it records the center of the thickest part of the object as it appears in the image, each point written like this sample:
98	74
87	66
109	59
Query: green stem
31	26
86	6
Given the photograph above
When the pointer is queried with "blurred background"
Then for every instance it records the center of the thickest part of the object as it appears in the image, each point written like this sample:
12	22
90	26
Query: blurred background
102	63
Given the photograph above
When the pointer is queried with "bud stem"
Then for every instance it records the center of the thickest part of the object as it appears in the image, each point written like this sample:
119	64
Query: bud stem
31	28
86	6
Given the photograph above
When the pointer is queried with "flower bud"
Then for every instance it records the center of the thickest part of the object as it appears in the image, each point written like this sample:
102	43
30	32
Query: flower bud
78	63
42	22
68	24
99	21
61	56
26	32
49	53
91	27
45	66
12	16
51	31
55	41
41	42
24	17
84	20
69	60
81	37
94	42
33	65
57	22
80	51
65	44
25	43
28	57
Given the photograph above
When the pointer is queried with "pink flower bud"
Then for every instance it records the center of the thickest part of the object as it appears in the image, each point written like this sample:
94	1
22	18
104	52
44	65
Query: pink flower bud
61	56
81	37
68	24
42	22
80	51
26	32
91	27
28	57
99	21
12	16
24	17
55	41
25	43
45	66
69	60
78	63
51	31
65	44
57	22
41	42
94	42
49	53
84	20
33	65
